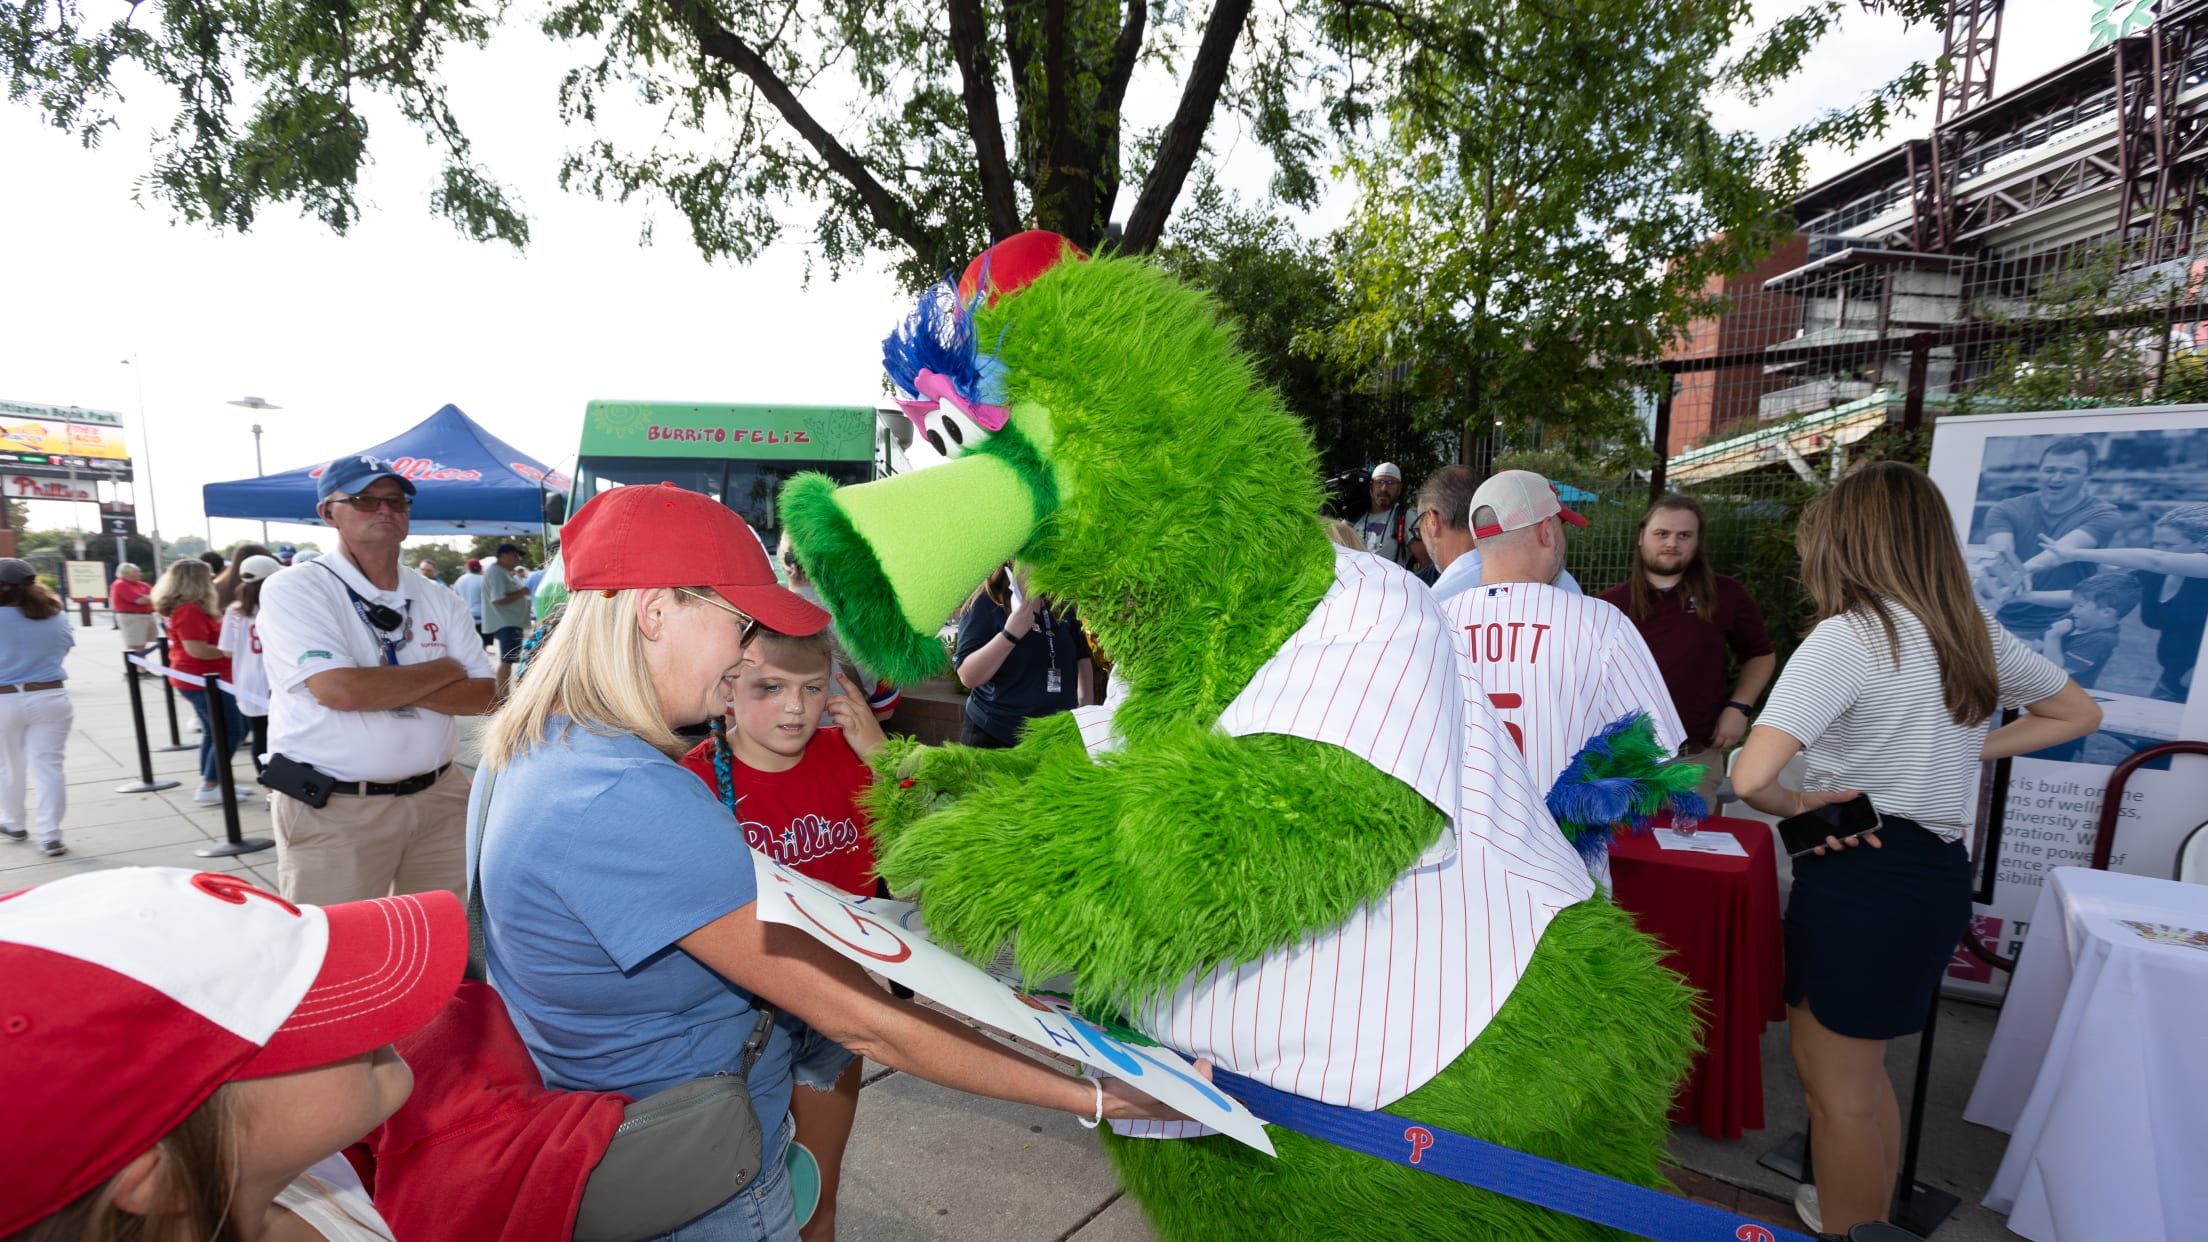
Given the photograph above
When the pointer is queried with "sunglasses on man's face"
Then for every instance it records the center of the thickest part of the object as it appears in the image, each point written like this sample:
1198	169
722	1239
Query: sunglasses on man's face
369	504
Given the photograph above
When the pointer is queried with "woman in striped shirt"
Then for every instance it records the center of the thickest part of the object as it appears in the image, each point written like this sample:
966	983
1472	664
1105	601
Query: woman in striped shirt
1887	699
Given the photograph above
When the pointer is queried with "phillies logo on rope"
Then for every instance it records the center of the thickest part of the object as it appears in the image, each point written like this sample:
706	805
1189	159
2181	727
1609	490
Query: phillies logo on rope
416	470
1420	1138
1754	1233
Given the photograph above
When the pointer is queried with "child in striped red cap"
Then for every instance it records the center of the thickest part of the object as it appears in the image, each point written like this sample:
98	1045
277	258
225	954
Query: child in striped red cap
183	1054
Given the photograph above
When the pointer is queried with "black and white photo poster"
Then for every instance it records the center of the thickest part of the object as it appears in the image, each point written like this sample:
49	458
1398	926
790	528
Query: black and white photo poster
2086	532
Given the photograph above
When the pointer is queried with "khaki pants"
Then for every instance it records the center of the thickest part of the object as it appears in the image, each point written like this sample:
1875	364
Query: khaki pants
361	846
1714	760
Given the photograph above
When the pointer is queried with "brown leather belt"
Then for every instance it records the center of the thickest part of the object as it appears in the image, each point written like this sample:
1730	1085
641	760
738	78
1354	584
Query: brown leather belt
29	686
389	789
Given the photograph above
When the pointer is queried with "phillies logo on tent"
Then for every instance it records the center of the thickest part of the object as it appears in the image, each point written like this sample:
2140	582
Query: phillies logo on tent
550	479
417	469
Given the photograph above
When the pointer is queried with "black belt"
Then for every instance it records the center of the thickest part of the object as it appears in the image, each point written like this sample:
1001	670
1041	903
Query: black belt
396	789
29	686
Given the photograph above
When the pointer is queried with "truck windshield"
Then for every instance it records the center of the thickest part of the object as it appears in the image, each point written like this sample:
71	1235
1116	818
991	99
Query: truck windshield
748	487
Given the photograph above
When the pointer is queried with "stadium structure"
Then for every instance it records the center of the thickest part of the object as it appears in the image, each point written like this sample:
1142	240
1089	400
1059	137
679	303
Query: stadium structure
1920	272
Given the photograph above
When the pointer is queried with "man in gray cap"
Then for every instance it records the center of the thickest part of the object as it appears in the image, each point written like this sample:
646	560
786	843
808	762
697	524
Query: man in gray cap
1387	528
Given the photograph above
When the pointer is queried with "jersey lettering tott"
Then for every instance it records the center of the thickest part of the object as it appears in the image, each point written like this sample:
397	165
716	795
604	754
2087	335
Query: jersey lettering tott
1557	668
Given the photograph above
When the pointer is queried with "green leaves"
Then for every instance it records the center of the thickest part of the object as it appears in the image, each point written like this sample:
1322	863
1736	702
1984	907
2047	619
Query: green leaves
1546	201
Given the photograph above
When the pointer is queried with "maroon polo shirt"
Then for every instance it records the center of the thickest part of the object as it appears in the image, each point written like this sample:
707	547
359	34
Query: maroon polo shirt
1691	652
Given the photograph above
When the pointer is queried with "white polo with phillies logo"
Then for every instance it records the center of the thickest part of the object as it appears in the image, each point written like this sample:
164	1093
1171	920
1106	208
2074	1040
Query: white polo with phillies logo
1365	1012
308	625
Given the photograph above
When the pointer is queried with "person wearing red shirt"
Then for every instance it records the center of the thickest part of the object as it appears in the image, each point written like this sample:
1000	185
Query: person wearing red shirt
185	599
129	598
794	788
1697	622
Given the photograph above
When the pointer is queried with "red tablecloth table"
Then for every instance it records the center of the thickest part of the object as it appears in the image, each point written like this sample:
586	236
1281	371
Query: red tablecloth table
1717	918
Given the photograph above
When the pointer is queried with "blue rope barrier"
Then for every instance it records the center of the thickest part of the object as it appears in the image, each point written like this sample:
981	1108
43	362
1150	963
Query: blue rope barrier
1637	1210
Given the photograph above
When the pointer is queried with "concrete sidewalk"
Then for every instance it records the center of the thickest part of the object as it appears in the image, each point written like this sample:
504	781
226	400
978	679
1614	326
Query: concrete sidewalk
928	1164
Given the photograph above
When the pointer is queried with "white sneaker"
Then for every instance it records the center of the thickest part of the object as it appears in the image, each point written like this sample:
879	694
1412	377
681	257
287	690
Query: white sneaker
208	797
1805	1206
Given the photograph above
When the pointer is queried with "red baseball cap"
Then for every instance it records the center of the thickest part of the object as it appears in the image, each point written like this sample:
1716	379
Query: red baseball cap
635	538
127	997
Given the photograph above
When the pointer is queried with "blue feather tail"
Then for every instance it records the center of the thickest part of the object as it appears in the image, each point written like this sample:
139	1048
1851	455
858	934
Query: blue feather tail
1622	779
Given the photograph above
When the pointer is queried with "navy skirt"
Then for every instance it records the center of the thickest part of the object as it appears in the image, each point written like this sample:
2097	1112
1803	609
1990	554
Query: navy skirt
1870	932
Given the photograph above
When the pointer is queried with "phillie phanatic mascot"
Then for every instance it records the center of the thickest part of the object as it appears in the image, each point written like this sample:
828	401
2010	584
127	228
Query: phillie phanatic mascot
1295	839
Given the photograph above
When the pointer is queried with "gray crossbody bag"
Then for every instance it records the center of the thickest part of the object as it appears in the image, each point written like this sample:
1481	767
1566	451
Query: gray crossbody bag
678	1153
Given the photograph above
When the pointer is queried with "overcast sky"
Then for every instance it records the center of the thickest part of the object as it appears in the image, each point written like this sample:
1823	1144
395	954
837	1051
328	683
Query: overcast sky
362	336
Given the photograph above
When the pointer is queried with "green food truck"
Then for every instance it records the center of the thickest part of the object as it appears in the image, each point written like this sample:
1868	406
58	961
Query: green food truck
739	455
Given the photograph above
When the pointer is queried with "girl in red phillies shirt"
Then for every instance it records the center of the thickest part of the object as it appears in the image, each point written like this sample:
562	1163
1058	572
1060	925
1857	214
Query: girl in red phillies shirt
795	788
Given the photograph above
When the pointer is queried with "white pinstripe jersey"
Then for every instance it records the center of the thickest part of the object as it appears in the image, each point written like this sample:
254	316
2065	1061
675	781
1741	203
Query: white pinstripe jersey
1557	667
1365	1012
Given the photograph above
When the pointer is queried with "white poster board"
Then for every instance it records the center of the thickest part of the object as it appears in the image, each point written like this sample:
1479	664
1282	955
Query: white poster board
2127	490
887	938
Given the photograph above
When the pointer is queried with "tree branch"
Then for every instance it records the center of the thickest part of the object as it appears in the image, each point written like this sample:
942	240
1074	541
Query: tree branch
1184	137
889	213
1125	52
982	120
1054	98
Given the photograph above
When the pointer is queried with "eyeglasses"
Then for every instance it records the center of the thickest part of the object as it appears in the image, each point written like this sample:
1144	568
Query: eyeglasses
369	504
751	623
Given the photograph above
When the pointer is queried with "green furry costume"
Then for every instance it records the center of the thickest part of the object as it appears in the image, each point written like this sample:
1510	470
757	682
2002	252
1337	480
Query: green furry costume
1147	477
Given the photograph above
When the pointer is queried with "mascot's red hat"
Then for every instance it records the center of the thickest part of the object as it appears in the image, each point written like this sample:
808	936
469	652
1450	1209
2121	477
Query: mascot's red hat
1014	263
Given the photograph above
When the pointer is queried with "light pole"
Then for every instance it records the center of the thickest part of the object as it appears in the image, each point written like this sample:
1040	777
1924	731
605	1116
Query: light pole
255	403
145	435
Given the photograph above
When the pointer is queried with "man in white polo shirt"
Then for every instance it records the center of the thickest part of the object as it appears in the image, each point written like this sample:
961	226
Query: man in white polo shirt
367	666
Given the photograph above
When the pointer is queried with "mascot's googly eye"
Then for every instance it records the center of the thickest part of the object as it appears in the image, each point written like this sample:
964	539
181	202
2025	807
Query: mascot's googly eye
954	433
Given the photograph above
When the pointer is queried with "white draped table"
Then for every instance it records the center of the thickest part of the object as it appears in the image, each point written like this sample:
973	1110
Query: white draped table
2099	1067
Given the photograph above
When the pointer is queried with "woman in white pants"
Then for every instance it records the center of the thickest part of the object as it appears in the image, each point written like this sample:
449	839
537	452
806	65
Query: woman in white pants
35	716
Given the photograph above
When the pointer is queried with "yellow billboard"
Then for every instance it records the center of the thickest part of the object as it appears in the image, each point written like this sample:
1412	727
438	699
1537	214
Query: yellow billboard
61	439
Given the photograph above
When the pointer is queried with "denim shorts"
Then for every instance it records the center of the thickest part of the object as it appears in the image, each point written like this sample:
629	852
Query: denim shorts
816	1061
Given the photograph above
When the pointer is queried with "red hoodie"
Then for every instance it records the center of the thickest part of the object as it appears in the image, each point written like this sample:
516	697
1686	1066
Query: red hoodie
482	1150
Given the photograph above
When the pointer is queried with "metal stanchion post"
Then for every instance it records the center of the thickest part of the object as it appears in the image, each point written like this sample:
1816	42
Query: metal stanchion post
218	725
1917	1207
168	694
145	783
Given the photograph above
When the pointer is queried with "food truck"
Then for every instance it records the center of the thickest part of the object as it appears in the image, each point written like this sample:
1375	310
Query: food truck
740	455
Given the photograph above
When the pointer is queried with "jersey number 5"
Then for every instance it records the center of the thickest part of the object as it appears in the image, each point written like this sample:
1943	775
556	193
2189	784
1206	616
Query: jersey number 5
1504	703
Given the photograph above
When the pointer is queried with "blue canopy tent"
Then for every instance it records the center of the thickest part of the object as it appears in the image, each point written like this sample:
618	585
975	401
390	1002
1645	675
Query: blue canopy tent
469	482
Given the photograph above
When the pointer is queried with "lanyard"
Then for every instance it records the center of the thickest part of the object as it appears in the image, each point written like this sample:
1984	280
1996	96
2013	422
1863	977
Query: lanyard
1050	635
391	647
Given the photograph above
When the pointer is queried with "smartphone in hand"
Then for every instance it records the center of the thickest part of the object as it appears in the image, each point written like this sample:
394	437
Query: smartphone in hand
1804	832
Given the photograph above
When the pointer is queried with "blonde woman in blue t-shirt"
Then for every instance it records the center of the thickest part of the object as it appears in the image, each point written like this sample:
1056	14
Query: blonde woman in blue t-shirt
620	906
1887	699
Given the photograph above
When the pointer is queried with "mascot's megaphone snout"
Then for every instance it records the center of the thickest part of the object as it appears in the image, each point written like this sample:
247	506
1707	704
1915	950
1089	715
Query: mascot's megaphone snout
894	559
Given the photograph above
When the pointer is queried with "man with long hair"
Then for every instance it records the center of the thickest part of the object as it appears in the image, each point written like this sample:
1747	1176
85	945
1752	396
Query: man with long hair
1698	622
